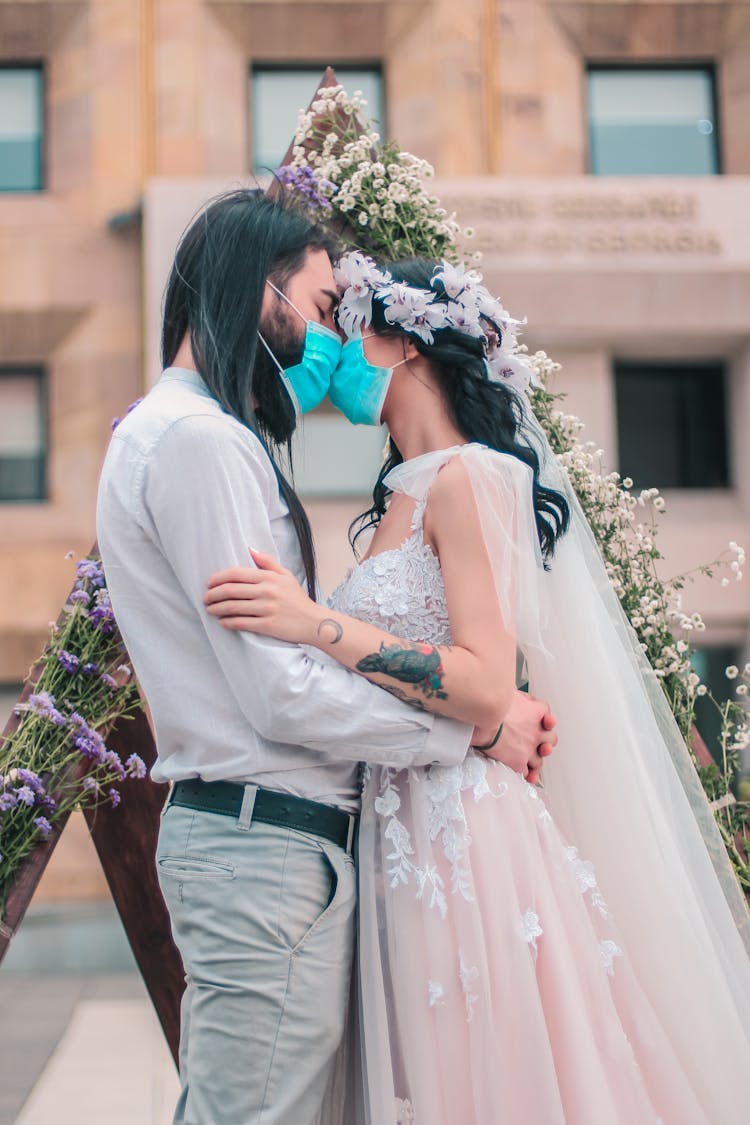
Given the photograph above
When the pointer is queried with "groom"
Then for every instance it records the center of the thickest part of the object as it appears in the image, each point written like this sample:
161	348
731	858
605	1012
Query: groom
261	740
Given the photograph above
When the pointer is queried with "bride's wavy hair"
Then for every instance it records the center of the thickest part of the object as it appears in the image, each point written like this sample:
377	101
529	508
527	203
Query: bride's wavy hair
483	411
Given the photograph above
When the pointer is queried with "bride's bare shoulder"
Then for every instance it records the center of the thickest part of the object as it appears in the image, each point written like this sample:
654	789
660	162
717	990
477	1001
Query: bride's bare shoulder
450	503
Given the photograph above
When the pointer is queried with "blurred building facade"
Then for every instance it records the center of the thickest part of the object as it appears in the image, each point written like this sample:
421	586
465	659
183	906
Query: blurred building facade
601	149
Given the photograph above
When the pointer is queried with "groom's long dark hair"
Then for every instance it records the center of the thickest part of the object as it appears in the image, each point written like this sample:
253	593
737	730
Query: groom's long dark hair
214	295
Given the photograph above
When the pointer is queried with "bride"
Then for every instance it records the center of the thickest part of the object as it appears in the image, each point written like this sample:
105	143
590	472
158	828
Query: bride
530	956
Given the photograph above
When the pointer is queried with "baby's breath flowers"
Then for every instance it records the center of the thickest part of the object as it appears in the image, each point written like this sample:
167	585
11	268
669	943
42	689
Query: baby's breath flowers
57	757
625	526
342	170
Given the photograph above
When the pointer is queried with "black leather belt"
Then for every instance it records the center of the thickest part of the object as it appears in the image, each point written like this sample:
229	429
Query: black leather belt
268	806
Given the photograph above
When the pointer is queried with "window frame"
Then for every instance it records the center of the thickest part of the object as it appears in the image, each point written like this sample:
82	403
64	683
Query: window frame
621	365
39	65
38	371
708	65
315	69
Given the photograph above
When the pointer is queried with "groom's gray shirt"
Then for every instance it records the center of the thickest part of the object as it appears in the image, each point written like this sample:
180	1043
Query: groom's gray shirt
184	491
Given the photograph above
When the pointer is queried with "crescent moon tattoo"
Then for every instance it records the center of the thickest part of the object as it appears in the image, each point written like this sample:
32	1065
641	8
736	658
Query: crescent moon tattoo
338	631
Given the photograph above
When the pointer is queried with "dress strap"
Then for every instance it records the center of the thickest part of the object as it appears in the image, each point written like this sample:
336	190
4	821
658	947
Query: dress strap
417	519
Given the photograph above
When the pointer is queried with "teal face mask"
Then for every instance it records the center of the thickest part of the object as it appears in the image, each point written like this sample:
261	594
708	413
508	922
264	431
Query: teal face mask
308	381
358	387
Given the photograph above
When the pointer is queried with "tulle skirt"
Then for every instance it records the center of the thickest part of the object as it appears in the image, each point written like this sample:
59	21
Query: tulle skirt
493	984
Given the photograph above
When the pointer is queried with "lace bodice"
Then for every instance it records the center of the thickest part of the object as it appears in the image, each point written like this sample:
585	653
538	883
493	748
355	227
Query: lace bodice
400	590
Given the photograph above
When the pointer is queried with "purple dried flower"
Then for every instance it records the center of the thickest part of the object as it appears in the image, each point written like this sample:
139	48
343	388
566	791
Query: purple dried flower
69	661
112	760
89	570
114	797
25	795
91	783
33	780
116	421
80	597
109	681
43	825
304	181
102	616
7	801
90	669
87	741
49	804
43	704
136	766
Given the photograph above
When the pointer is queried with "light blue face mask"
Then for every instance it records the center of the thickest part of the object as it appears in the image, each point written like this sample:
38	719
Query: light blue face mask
308	381
358	387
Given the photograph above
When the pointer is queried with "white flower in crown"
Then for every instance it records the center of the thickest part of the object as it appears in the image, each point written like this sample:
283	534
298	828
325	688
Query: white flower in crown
413	310
491	308
465	318
505	366
357	277
456	280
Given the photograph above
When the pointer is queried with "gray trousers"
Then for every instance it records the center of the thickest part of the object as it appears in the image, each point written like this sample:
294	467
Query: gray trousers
264	920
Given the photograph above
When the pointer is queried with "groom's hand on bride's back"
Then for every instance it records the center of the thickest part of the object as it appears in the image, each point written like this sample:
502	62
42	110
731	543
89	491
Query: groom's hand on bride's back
527	737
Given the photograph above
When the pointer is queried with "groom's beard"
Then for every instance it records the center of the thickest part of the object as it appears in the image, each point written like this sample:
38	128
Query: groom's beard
286	339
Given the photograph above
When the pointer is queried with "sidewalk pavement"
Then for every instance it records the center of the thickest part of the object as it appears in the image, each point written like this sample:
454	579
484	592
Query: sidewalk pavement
81	1050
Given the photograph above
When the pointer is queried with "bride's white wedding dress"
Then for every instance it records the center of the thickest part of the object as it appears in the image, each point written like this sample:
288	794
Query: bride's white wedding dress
496	984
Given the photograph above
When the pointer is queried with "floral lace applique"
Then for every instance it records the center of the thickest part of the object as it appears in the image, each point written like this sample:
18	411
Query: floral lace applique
401	590
586	879
404	1112
402	867
443	787
609	950
435	993
530	929
468	975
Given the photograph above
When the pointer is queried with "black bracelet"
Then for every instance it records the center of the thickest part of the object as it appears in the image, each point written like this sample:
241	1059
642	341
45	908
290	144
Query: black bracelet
489	745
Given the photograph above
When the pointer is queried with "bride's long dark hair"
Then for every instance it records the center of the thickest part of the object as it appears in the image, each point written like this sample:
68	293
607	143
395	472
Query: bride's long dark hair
483	411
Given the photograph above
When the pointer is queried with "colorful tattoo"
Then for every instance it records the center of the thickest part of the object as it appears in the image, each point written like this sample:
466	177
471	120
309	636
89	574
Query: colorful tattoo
419	665
404	696
338	631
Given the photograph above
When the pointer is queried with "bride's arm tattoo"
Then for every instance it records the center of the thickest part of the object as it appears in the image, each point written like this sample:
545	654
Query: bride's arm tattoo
403	696
328	623
416	664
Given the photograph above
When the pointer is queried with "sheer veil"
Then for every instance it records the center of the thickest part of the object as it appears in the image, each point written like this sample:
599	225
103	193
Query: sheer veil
621	786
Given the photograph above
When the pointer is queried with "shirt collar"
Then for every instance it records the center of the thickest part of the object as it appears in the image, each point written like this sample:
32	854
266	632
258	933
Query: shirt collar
185	375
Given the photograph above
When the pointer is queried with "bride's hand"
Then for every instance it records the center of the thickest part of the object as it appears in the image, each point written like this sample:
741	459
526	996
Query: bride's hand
266	599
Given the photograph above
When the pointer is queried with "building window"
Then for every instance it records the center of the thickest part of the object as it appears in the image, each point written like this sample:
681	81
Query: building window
711	663
23	436
277	93
658	121
671	424
21	113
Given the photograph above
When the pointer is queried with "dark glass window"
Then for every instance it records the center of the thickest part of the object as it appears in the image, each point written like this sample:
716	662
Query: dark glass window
710	663
23	438
21	114
277	93
671	424
657	121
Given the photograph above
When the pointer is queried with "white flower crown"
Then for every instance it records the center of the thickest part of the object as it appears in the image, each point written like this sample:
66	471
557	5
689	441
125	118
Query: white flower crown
456	299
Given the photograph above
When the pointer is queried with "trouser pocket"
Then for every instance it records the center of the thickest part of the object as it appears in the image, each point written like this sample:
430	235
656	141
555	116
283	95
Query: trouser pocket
308	890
